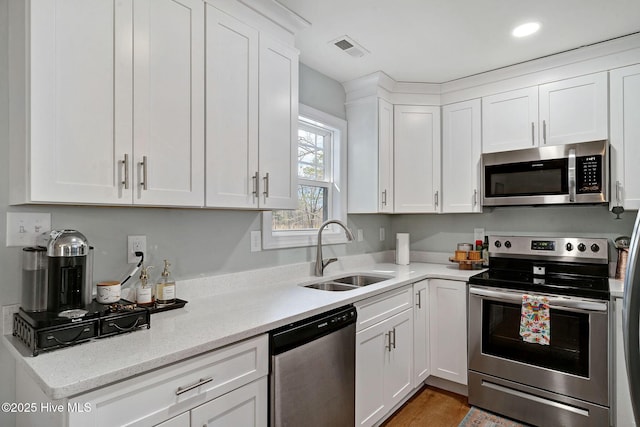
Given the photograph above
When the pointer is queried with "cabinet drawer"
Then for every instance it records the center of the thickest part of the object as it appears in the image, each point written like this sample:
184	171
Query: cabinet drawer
378	308
159	395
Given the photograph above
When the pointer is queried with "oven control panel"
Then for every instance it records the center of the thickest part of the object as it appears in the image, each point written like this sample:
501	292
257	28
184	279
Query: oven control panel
586	248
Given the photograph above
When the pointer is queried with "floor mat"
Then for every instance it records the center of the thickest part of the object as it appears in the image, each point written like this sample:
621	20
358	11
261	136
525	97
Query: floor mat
477	417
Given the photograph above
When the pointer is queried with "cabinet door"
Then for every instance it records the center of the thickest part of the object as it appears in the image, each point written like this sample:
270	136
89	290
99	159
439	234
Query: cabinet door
461	153
385	156
421	332
278	145
625	137
416	159
509	120
245	406
168	110
371	356
448	324
79	58
574	110
182	420
399	367
232	111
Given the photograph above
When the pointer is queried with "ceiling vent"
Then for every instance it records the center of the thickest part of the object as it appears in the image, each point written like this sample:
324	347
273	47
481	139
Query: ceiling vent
350	46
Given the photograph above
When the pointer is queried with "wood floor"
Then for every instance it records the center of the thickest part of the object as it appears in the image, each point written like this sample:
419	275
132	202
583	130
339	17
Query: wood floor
431	407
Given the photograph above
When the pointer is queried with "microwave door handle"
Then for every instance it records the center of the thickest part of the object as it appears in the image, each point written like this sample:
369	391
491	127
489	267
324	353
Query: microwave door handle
572	175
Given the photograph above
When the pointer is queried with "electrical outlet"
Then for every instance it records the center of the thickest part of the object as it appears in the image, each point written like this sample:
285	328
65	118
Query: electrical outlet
360	235
382	237
256	241
135	244
23	228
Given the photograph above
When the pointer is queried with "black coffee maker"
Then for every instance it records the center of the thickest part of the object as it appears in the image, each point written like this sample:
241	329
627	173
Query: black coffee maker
69	271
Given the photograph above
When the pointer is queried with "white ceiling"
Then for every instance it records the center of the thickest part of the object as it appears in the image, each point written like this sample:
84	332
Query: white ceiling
436	41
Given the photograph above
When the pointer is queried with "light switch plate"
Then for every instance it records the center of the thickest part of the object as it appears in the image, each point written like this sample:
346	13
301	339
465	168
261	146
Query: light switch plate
382	236
23	228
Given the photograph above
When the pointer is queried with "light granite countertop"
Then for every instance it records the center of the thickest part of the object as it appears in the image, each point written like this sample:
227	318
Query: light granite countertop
616	288
221	310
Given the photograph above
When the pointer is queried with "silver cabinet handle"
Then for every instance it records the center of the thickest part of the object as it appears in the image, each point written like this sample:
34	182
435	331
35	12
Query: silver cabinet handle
419	303
436	199
387	337
145	165
533	133
394	337
186	388
618	192
475	197
266	186
544	132
384	198
255	184
125	163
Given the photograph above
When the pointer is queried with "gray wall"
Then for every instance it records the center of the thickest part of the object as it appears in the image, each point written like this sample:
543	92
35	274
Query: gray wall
440	233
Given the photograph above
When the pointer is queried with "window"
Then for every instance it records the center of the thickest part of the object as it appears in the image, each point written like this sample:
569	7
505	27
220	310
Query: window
321	193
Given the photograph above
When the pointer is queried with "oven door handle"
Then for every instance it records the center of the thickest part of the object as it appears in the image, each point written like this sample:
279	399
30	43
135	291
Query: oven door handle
554	303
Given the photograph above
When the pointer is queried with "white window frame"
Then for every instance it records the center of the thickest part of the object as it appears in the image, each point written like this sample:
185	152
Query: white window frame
337	205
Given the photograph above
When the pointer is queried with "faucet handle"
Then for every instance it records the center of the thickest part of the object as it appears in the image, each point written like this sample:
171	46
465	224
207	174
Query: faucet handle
327	262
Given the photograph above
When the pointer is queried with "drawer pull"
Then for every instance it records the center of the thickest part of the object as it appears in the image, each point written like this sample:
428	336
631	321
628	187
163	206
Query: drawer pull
185	389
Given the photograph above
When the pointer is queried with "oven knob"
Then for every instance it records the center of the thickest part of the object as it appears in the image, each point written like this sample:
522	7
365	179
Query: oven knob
568	247
497	243
582	247
595	247
507	244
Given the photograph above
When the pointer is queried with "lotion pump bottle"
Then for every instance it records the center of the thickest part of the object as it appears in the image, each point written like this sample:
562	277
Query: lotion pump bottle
144	290
165	287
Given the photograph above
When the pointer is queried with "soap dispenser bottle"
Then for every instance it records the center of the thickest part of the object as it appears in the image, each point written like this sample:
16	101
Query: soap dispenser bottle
165	287
144	290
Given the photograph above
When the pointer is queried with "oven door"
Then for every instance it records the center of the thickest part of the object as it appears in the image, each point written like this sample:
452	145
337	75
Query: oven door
575	363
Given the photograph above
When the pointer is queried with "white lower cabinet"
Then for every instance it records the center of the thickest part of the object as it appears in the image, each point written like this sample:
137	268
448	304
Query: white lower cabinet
421	368
384	370
448	327
223	387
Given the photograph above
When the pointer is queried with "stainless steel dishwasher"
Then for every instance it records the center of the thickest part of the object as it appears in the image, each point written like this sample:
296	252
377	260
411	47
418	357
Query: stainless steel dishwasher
312	380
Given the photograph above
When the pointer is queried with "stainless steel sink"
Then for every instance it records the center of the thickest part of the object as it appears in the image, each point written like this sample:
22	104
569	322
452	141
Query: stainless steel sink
360	280
348	282
331	286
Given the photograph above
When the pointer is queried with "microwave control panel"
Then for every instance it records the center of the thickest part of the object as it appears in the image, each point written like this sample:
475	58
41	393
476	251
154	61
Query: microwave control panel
589	174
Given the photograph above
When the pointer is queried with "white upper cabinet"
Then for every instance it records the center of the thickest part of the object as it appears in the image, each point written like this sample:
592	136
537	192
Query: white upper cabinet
107	102
232	111
67	142
625	137
168	102
385	156
461	155
510	120
252	116
562	112
278	147
574	110
416	159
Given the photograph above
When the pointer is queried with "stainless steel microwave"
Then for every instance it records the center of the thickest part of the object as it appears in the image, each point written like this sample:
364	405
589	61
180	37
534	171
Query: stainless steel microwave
556	174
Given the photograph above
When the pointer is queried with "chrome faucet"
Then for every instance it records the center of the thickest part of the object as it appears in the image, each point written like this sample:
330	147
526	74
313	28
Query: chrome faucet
320	263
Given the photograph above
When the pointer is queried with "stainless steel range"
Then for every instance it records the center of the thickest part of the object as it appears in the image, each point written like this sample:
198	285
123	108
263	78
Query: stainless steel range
564	379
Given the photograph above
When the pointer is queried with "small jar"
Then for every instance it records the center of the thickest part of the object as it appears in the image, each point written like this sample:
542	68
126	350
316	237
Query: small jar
108	292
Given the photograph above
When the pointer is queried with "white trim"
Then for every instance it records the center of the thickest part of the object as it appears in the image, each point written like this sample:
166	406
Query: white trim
338	204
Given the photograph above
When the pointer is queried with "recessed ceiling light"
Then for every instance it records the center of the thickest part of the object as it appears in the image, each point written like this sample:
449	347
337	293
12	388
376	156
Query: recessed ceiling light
525	29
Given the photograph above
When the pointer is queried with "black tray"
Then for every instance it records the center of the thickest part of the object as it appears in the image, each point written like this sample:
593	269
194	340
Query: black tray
155	309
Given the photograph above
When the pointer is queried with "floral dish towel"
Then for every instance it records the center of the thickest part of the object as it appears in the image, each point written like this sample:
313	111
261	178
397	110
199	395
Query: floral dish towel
535	325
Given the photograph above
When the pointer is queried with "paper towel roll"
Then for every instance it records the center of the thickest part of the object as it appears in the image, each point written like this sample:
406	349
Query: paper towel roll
402	248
